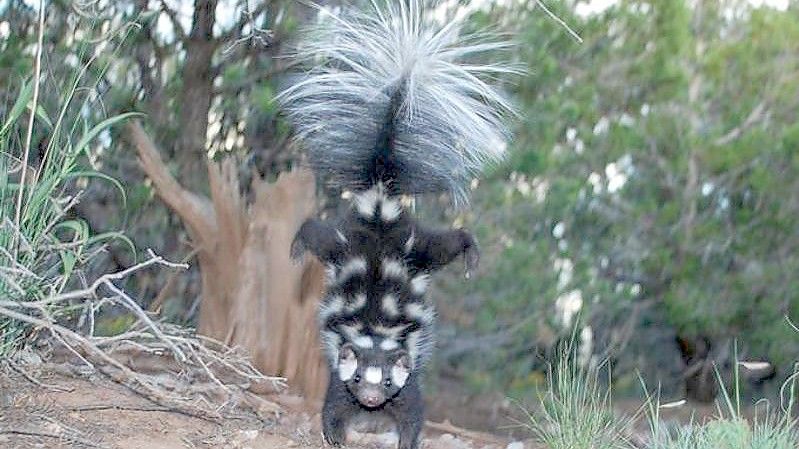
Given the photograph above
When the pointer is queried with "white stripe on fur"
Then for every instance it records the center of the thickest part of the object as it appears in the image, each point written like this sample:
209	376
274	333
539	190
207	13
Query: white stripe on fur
390	306
388	344
354	266
393	268
420	312
419	284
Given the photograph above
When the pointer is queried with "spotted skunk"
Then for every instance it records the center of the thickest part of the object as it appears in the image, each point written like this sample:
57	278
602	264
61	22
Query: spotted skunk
390	109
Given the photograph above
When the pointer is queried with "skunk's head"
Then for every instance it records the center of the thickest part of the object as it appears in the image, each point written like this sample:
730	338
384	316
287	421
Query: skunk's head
373	376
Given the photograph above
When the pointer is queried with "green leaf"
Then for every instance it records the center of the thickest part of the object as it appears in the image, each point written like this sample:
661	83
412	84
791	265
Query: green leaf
68	261
109	236
83	143
103	176
23	98
79	228
42	114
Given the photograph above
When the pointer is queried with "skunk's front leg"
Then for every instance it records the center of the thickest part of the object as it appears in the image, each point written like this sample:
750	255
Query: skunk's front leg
339	407
407	411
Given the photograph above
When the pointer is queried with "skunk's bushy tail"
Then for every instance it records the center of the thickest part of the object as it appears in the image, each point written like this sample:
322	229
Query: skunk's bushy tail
392	100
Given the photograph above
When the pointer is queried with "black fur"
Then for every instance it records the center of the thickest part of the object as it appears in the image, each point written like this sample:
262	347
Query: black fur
369	257
433	248
419	249
406	409
393	107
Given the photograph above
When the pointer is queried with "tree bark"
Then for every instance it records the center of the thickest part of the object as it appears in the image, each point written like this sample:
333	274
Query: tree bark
197	92
253	295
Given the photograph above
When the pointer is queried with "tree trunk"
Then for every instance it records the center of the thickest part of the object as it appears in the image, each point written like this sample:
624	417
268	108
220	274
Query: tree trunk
197	91
253	295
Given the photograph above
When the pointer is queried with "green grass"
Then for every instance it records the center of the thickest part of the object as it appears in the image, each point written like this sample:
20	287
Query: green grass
729	429
576	413
41	248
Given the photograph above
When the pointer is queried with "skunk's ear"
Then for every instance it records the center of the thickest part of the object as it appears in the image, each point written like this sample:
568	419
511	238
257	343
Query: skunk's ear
433	249
347	362
346	352
401	369
321	238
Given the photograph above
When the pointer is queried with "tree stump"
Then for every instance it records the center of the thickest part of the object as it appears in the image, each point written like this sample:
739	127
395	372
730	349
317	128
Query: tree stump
253	295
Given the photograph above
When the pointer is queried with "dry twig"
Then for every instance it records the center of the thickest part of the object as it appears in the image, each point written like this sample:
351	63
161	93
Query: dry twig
206	368
30	378
36	433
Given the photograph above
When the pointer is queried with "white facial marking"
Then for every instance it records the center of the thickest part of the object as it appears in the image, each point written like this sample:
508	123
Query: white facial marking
390	210
419	284
389	305
399	375
419	312
364	342
347	367
389	344
373	375
394	269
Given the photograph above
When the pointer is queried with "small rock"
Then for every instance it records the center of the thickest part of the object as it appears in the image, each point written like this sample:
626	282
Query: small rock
515	445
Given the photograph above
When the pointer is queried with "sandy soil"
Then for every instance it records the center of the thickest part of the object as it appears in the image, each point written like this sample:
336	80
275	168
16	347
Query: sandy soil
91	411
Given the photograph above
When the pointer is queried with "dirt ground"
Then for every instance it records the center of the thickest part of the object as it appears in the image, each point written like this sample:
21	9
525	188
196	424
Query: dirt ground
55	410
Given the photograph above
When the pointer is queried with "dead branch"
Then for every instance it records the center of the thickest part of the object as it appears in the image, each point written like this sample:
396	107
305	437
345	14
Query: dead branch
196	211
132	306
106	280
200	363
560	21
112	368
30	378
134	408
36	433
253	296
90	291
180	33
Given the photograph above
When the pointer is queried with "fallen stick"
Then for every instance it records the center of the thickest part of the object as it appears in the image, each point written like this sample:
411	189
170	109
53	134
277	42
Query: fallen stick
134	408
29	377
36	433
123	375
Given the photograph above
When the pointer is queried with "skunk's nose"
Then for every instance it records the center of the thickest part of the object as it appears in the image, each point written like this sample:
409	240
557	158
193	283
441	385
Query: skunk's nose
372	401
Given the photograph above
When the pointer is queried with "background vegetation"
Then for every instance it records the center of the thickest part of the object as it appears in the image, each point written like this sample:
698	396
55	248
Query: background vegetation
649	204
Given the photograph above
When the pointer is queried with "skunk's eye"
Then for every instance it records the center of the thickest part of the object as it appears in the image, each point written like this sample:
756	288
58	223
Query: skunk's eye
357	378
387	383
